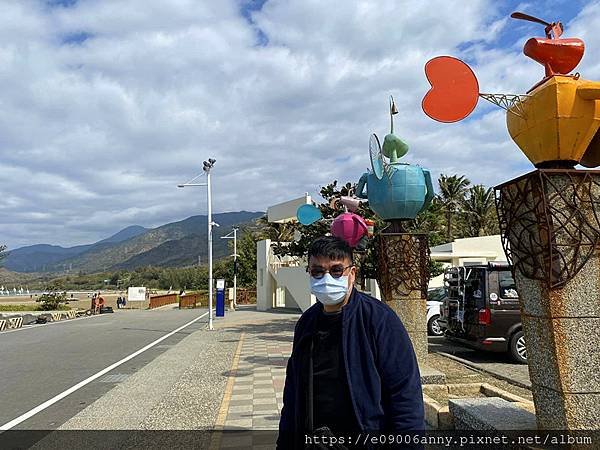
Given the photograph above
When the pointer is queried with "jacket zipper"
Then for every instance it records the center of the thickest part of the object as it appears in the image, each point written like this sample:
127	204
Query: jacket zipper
345	352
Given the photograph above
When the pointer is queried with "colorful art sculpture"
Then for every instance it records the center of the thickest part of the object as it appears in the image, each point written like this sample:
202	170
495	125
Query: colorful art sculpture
349	227
308	214
555	123
395	190
549	218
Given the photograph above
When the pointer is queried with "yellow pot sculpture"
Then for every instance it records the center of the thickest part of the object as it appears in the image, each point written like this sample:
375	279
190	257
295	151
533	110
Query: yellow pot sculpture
556	124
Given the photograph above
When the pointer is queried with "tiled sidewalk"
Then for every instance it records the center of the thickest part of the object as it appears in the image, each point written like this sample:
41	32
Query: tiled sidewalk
257	393
254	396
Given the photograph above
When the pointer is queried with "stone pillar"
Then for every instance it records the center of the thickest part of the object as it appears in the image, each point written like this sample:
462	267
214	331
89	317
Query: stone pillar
562	333
549	222
403	277
412	311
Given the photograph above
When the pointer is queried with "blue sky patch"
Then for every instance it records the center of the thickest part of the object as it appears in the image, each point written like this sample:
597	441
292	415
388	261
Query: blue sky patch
247	7
76	38
63	3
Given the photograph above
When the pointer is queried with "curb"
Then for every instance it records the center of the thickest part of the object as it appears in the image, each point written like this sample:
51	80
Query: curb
477	367
7	329
223	410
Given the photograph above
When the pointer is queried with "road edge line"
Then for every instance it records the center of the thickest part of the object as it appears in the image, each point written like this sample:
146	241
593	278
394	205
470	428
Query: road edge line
477	367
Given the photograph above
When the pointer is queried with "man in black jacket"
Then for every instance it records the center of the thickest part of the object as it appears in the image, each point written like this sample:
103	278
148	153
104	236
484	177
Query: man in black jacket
364	373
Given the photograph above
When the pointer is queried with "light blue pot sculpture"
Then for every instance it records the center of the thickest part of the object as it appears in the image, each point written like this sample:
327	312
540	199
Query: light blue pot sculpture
402	192
396	191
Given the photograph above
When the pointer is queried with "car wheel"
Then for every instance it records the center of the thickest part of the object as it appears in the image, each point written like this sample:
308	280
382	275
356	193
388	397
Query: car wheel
518	349
433	326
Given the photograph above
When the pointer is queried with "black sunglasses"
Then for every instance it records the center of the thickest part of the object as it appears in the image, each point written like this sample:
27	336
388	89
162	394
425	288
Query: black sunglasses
335	271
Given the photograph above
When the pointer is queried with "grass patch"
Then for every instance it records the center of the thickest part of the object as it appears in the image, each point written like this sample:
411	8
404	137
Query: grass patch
31	307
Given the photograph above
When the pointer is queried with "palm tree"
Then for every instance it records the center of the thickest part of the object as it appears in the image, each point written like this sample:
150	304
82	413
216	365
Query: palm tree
451	197
478	208
277	232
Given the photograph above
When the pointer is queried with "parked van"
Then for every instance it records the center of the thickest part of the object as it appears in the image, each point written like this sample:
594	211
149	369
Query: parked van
481	309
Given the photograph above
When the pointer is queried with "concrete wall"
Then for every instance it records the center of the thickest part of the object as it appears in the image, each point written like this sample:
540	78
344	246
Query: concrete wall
280	285
297	288
265	289
286	211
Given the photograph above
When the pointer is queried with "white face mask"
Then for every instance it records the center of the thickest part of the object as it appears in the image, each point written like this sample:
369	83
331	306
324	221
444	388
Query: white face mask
329	290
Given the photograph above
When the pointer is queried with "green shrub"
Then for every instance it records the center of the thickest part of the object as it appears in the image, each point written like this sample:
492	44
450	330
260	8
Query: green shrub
53	298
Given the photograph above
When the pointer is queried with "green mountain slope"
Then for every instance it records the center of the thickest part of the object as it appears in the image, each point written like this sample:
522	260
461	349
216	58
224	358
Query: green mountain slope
174	244
44	257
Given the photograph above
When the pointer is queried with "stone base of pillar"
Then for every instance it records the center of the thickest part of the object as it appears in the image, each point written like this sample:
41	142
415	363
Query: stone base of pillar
563	348
413	313
403	277
551	233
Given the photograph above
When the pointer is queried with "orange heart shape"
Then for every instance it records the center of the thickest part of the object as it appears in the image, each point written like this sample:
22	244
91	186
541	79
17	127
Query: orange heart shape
454	89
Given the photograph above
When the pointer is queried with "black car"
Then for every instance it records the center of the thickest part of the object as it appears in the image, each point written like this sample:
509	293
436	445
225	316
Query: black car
482	309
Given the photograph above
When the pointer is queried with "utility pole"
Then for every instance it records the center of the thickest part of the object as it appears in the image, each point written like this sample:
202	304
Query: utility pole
210	225
207	166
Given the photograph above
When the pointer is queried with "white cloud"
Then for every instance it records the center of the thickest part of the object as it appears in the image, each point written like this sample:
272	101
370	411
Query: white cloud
96	133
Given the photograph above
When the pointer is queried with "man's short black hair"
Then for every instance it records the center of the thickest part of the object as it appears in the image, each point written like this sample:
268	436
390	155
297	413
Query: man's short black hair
330	247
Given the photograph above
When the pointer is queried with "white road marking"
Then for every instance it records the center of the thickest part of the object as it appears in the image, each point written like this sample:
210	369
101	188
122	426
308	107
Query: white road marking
57	398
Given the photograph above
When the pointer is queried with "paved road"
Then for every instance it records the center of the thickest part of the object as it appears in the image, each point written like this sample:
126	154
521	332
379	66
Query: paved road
498	364
38	363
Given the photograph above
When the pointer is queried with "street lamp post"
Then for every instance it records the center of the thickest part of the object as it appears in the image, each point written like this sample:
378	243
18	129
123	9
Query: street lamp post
235	255
207	166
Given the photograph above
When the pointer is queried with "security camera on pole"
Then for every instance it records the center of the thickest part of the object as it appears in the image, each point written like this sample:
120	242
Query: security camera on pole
207	166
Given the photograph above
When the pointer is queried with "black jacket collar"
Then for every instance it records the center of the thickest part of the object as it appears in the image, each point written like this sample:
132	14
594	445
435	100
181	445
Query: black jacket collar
311	314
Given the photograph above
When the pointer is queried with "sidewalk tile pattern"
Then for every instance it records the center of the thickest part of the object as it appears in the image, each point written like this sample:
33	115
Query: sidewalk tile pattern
257	393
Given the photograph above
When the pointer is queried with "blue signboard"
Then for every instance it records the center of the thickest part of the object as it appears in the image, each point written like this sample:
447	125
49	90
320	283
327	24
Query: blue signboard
220	298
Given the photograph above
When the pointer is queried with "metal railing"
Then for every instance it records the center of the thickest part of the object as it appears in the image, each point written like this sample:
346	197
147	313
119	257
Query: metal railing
162	300
191	300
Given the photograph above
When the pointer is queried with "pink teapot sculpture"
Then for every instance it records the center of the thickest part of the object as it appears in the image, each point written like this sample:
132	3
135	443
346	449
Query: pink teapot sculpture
350	227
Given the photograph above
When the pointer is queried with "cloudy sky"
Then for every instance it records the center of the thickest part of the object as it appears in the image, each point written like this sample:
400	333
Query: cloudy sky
105	105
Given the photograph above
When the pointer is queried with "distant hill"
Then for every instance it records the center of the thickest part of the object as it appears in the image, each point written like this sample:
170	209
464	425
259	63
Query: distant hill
40	257
174	244
178	252
13	278
124	234
44	257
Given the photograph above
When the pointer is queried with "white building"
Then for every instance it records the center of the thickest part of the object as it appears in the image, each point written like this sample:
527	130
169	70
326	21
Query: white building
281	282
466	252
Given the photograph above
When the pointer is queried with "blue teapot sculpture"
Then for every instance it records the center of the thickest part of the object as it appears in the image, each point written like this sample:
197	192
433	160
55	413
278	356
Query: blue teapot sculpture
395	190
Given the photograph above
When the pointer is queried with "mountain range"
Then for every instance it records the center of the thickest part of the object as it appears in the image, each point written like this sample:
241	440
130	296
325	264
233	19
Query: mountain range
170	245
